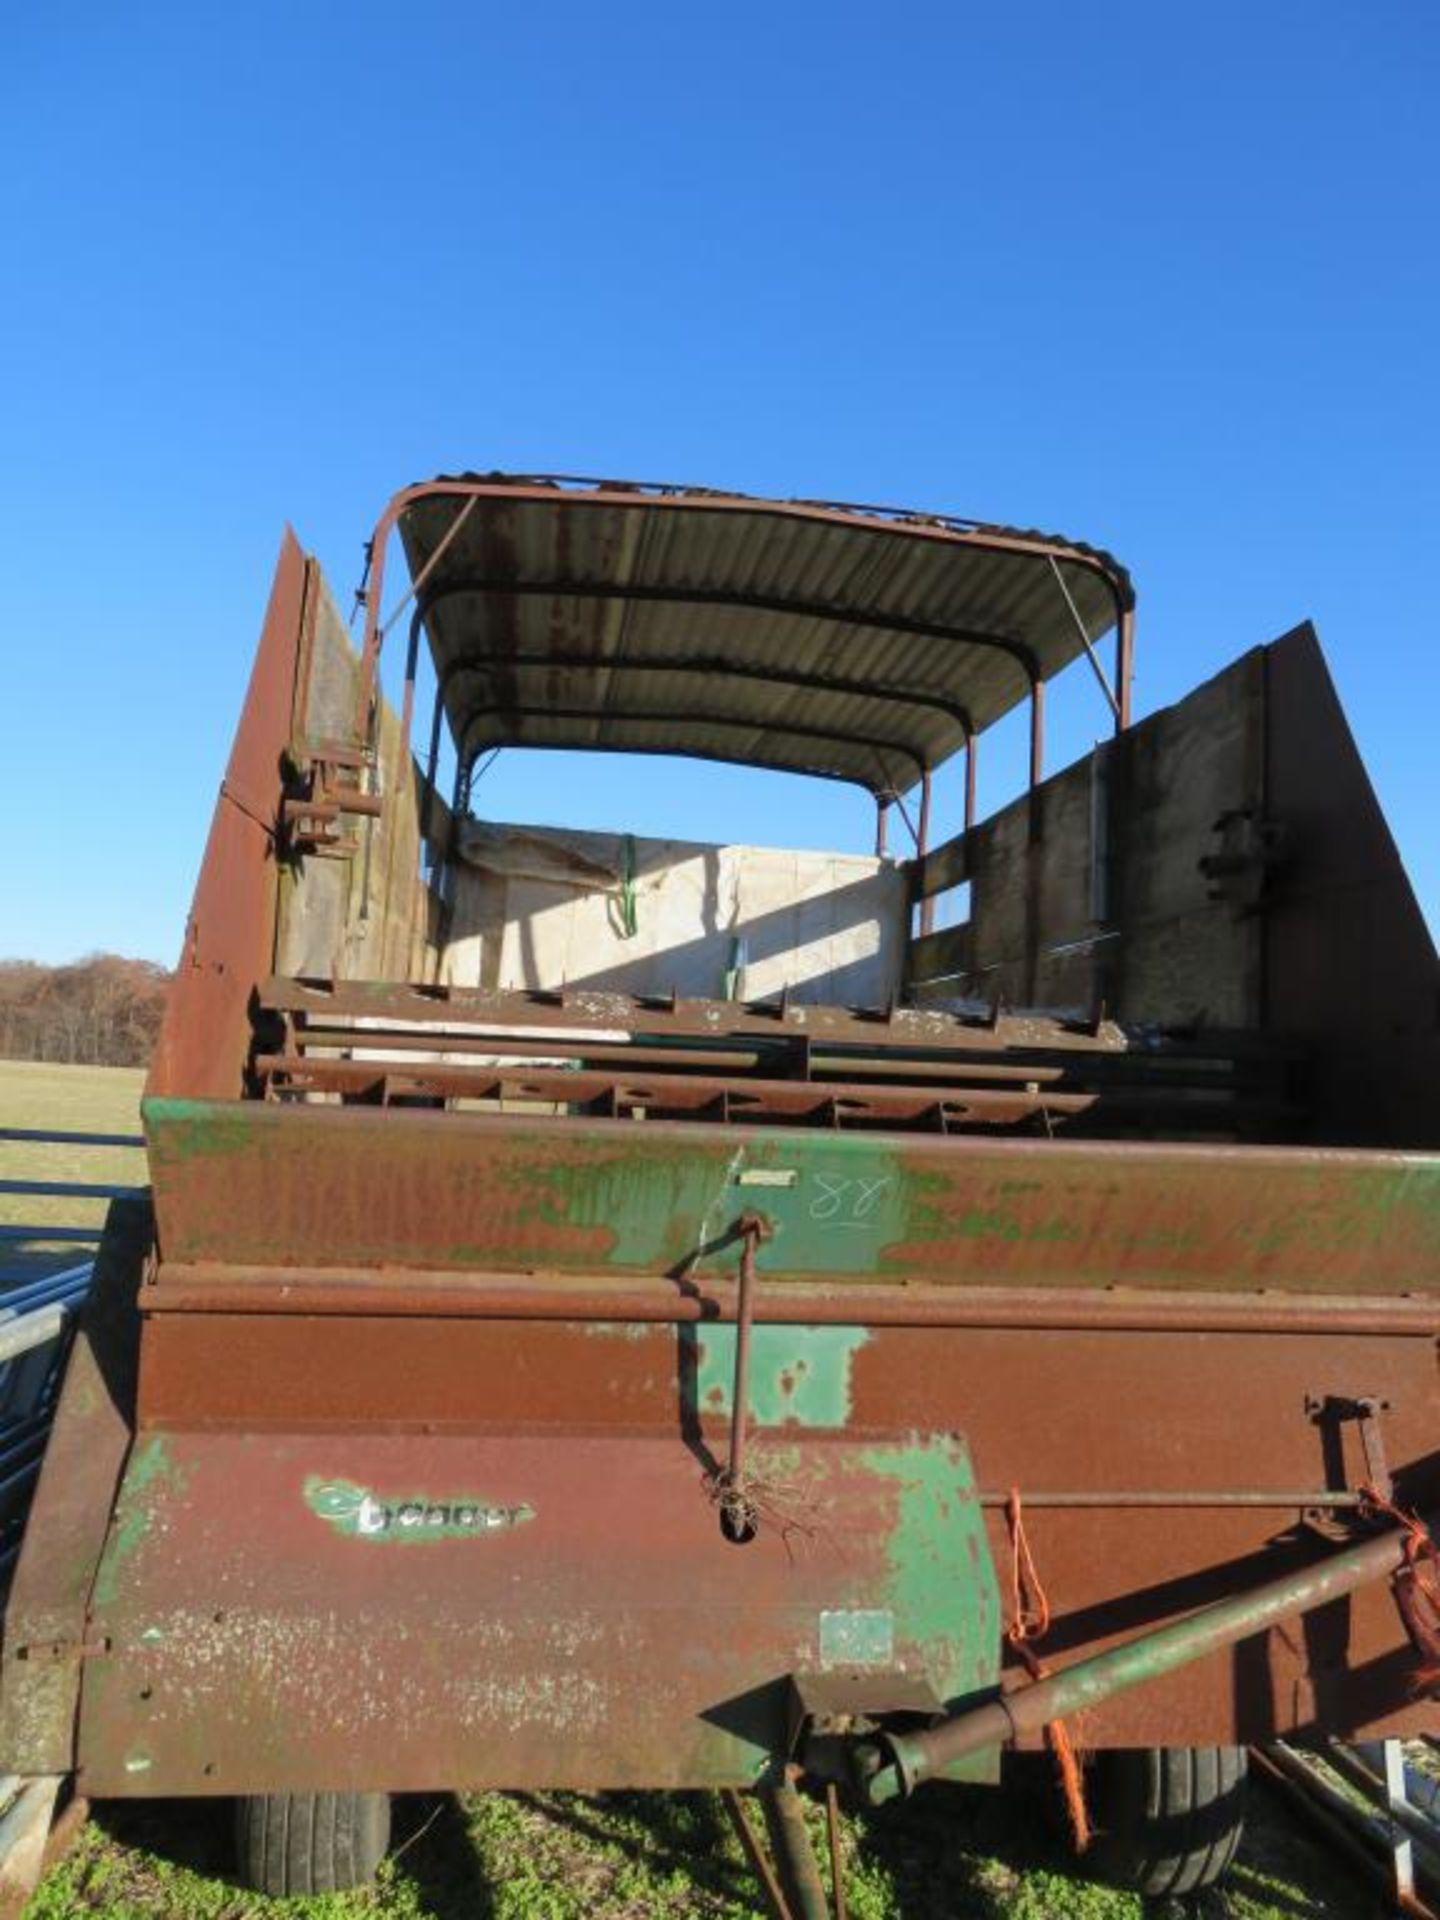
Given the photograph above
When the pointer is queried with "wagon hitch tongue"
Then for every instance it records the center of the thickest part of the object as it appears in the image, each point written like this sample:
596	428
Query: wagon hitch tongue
894	1764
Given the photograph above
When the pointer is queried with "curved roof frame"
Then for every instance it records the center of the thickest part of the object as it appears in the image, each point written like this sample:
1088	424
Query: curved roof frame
713	666
471	490
739	723
840	616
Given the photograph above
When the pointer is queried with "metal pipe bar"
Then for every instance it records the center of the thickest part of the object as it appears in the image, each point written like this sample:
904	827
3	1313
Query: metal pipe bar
922	847
18	1480
72	1189
432	767
24	1448
77	1276
311	1045
450	534
1301	1772
22	1451
202	1288
794	1854
1085	640
48	1287
33	1330
735	1504
1037	733
907	1759
60	1235
895	798
837	1863
49	1136
829	1100
1124	664
755	1854
1296	1499
68	1284
1353	1767
1340	1826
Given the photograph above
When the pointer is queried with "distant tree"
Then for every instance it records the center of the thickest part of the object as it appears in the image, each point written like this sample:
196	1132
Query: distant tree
103	1010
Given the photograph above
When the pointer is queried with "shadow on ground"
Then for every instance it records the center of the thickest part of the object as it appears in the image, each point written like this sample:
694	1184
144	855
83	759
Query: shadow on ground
953	1853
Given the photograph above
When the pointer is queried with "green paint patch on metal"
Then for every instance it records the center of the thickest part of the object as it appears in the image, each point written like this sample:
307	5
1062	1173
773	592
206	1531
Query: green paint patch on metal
180	1130
799	1376
1362	1211
359	1514
150	1473
832	1205
857	1637
943	1590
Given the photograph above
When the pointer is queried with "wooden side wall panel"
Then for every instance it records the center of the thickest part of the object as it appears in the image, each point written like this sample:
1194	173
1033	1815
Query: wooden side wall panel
365	916
1185	955
1091	890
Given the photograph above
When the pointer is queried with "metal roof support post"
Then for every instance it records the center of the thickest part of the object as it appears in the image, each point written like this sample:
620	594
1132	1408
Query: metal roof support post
1037	732
460	802
1124	666
432	765
922	842
971	748
882	823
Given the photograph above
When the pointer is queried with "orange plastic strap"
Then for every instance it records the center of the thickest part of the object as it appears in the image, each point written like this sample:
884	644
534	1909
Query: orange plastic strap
1030	1620
1416	1585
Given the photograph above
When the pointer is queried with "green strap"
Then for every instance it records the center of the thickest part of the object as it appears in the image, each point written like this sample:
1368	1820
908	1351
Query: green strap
629	924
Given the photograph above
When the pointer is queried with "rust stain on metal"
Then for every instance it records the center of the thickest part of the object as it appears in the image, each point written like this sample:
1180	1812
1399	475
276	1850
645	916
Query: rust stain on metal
443	1263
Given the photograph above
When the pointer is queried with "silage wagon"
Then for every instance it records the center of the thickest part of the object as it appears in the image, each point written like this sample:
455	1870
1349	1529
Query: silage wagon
620	1311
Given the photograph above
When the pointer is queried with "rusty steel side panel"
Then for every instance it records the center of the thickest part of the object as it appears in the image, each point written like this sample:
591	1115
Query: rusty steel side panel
1350	964
262	1184
46	1613
1121	1418
1097	1411
230	934
586	1624
420	1612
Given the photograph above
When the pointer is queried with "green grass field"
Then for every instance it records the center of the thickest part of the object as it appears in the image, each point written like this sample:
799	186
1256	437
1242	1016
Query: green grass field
63	1099
553	1856
952	1853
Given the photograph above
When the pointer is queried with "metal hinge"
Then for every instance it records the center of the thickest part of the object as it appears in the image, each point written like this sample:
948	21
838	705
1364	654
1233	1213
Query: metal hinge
57	1652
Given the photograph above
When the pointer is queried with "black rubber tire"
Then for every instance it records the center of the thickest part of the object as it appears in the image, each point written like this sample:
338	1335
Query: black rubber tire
1167	1820
304	1843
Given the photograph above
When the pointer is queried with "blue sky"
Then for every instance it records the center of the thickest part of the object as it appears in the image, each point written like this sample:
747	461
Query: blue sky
1161	277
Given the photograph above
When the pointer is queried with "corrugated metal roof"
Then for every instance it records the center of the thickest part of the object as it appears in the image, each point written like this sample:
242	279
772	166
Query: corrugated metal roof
850	642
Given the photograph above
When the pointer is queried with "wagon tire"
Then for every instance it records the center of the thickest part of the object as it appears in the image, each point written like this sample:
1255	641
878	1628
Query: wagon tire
1167	1820
307	1843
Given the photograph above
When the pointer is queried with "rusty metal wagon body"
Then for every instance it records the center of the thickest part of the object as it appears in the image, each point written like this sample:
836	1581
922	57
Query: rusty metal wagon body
587	1373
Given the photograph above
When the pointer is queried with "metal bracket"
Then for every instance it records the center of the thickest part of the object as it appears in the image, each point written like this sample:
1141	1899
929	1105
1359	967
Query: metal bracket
1331	1413
1250	849
322	785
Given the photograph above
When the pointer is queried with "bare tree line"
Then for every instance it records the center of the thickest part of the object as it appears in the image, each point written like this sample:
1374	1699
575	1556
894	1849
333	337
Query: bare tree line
103	1010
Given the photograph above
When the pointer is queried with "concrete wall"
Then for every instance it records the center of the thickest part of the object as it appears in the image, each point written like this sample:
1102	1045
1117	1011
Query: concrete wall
538	907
